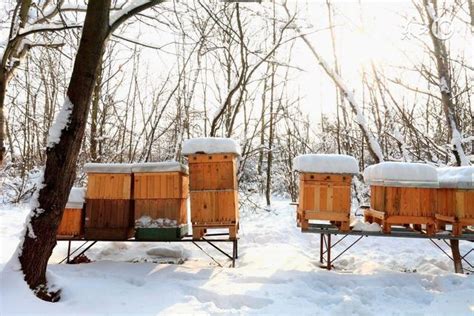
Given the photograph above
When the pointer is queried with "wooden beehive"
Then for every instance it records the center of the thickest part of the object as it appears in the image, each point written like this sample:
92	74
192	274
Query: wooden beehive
402	194
72	221
325	197
109	208
390	205
454	207
160	192
213	192
213	184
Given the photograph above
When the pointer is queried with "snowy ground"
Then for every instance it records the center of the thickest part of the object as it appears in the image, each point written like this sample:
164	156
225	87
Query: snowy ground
277	273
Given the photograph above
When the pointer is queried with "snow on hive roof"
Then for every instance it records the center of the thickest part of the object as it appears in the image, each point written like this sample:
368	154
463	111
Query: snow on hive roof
210	145
76	198
164	166
326	163
108	168
401	174
456	177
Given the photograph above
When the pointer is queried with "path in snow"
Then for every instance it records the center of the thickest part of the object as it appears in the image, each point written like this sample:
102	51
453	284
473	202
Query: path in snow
277	273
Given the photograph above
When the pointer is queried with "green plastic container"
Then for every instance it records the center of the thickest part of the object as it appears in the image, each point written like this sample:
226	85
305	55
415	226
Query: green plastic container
162	233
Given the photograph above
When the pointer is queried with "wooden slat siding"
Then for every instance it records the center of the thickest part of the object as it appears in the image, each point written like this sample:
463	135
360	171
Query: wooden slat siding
214	207
173	185
212	172
468	204
101	213
174	209
460	204
404	205
446	201
109	186
102	233
325	197
71	223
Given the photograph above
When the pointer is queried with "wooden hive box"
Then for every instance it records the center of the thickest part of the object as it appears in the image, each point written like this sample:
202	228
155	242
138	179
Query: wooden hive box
213	184
325	189
72	221
109	208
160	195
455	198
402	194
213	171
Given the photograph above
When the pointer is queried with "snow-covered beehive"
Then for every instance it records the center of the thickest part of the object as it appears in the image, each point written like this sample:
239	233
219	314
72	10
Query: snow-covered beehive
402	194
160	193
213	183
109	209
325	188
455	198
71	224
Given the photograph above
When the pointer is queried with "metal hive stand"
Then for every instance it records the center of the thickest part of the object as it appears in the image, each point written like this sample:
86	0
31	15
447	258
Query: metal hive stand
326	232
210	239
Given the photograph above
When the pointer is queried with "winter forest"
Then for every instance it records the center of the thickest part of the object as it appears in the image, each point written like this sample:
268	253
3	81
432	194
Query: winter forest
131	81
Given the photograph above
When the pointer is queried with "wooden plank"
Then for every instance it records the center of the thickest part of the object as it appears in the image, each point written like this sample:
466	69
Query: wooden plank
326	177
408	219
214	206
71	222
109	186
445	218
93	233
170	185
204	158
375	213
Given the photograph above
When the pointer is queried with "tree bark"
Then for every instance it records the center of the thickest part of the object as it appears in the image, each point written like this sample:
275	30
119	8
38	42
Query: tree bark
60	170
3	92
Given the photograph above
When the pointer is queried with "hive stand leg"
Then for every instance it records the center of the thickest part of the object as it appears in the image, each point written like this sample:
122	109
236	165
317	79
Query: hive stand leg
456	256
417	227
329	253
68	251
321	248
233	232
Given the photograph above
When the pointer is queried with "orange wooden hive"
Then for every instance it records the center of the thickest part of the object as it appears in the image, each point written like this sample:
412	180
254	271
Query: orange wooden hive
160	195
109	208
325	189
213	184
402	194
72	221
455	198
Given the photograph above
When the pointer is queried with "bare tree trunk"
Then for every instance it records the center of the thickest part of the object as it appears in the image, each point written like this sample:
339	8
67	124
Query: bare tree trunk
441	56
3	92
60	170
94	116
